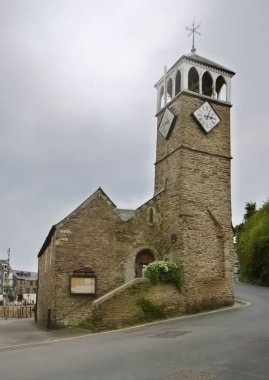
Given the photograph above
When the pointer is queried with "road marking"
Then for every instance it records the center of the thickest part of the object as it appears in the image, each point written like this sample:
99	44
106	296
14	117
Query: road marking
238	304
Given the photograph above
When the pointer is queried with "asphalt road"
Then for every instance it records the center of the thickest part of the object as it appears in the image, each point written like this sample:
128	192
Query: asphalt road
231	344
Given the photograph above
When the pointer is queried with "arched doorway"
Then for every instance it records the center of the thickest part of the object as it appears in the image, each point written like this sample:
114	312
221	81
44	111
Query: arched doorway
143	258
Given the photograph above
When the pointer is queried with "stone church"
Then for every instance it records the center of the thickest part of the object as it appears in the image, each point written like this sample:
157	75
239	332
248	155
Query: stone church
100	247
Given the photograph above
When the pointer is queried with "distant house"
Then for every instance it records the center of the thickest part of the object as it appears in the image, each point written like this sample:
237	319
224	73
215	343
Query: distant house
6	278
25	284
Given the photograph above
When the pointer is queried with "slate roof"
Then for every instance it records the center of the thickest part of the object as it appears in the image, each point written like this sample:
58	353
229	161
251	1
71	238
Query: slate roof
25	275
195	58
199	59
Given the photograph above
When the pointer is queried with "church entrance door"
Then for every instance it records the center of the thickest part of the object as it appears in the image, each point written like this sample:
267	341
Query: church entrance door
143	258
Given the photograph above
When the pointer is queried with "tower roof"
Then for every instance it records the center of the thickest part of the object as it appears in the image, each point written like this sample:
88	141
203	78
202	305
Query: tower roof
199	59
195	58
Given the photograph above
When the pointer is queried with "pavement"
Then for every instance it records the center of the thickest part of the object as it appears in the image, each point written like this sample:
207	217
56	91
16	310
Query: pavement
15	332
25	331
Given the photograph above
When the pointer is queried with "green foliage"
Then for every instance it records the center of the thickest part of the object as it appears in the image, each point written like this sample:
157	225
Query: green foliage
250	209
162	271
253	247
151	309
87	324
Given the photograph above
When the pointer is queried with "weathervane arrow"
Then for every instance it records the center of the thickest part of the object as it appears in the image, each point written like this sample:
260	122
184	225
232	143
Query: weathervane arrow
193	31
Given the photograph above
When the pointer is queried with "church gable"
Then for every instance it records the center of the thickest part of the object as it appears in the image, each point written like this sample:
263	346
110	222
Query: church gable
98	194
88	204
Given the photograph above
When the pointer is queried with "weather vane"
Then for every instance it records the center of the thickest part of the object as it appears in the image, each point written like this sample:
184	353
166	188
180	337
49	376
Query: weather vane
192	31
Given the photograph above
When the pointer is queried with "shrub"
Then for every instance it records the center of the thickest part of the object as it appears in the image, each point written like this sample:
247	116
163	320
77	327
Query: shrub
151	310
162	271
87	323
253	248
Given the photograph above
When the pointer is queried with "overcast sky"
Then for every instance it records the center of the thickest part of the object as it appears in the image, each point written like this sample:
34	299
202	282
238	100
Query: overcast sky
77	103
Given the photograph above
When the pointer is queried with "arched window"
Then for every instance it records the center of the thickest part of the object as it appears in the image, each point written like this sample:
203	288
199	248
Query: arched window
169	90
193	80
178	82
161	97
143	258
168	94
221	88
207	84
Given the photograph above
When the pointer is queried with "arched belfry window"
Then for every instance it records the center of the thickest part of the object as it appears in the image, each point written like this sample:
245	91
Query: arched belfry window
207	84
178	82
193	80
168	96
221	88
169	90
161	97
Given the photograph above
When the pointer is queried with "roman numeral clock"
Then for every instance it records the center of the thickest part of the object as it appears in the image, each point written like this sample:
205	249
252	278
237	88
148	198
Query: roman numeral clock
206	117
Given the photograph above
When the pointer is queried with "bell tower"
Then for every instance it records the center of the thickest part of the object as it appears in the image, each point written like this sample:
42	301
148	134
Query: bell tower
193	168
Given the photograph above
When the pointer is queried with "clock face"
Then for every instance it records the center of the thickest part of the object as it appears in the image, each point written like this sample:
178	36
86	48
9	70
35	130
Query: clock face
166	124
206	117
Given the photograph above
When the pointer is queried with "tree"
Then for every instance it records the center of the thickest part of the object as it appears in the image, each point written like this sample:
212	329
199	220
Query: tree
250	209
253	245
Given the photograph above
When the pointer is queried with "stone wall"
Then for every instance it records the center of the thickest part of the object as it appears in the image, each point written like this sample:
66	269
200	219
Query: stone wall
123	307
191	226
47	285
94	238
195	168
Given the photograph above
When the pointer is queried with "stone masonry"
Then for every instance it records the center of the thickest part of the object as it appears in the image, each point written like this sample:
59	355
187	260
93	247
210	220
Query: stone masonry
188	221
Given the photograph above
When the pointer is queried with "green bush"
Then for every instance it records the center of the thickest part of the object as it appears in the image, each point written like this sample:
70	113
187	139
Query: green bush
253	248
151	310
87	323
162	271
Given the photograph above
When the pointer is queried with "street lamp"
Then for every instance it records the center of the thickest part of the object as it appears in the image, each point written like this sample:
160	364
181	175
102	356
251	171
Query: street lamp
7	282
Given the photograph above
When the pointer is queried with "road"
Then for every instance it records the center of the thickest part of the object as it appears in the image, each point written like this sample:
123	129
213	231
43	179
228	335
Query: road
231	344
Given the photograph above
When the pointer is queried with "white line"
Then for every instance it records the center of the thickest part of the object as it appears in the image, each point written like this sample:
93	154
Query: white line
239	304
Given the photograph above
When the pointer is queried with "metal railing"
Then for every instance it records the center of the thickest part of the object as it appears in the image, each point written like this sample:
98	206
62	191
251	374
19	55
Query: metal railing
14	311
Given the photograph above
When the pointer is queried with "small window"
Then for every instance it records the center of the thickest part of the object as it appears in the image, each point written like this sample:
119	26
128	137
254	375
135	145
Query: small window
151	215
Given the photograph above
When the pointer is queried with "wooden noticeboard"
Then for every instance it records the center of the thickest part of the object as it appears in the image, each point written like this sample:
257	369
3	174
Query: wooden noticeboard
82	283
